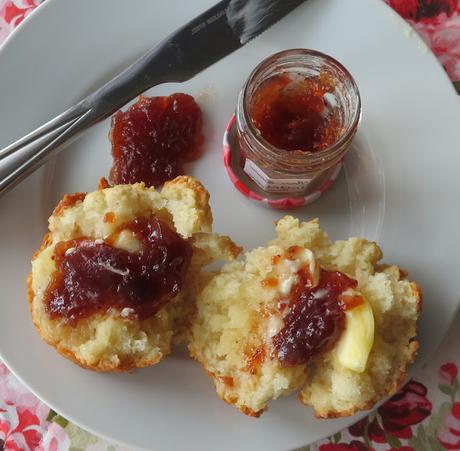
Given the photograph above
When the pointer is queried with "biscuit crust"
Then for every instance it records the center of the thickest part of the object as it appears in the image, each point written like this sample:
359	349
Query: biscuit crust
108	341
237	311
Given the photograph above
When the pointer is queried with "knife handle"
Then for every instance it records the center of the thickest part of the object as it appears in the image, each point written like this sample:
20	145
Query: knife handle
23	156
166	62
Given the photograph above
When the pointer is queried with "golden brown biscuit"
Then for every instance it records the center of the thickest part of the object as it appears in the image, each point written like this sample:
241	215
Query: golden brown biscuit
239	313
110	340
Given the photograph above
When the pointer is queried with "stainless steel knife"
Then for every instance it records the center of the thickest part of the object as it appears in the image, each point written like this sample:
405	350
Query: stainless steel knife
216	33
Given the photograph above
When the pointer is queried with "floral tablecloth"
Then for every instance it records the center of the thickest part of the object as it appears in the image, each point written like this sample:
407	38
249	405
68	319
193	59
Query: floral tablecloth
423	416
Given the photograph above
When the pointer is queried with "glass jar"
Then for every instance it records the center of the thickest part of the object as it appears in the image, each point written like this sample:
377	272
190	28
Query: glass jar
297	172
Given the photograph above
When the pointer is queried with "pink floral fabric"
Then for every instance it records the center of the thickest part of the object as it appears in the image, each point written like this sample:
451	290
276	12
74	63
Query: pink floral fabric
423	416
408	421
12	13
438	23
397	416
24	421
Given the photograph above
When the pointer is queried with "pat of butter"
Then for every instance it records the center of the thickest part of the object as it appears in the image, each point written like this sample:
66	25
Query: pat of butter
290	268
287	283
357	339
275	324
126	312
127	241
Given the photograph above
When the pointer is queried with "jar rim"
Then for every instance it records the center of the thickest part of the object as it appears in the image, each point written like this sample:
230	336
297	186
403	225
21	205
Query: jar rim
299	155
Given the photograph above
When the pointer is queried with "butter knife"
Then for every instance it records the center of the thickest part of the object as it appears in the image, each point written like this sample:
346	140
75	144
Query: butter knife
211	36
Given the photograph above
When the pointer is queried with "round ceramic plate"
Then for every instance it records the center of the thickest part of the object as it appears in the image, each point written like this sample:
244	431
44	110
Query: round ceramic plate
400	187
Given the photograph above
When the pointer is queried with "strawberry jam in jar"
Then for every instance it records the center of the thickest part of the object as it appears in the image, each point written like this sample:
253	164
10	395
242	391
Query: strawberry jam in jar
295	119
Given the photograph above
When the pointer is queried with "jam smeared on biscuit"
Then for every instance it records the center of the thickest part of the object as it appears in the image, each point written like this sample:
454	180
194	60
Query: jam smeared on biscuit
254	359
153	139
315	319
291	112
93	275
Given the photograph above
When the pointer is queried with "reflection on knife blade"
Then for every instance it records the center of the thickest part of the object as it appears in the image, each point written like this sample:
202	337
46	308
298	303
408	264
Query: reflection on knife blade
248	18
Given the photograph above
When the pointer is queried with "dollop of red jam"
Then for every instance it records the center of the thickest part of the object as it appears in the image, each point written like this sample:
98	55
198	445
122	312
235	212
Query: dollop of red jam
93	275
315	319
153	139
291	112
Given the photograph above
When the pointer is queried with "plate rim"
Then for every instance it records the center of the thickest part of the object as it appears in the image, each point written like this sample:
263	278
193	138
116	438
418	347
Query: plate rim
35	15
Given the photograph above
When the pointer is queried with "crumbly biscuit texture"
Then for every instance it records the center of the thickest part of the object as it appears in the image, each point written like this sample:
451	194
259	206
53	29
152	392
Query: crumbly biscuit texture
238	314
112	341
231	335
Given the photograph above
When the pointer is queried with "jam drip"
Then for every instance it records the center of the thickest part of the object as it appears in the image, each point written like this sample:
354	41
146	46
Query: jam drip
153	139
315	319
292	113
92	276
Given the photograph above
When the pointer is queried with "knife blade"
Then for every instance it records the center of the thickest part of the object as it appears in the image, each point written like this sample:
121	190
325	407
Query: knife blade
211	36
219	31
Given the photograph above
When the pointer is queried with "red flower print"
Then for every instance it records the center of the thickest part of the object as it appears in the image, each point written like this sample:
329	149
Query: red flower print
14	12
23	419
433	8
449	434
19	429
419	10
438	24
402	448
354	445
408	407
448	372
445	43
405	8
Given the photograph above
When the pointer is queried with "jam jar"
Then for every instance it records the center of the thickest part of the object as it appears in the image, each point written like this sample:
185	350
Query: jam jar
295	118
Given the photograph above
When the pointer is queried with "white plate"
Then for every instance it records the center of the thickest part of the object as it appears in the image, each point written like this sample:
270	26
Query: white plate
401	187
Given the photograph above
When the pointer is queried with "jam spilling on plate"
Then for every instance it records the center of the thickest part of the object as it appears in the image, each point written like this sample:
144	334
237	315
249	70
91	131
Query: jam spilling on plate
315	319
153	139
292	112
93	275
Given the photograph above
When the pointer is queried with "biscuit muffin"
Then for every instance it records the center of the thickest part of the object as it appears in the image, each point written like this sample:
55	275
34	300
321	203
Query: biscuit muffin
310	316
114	280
